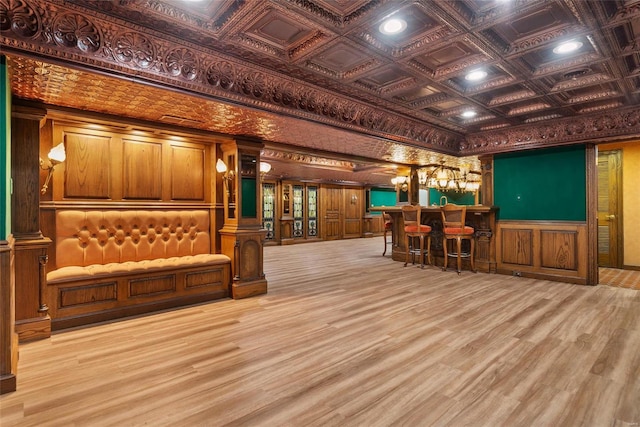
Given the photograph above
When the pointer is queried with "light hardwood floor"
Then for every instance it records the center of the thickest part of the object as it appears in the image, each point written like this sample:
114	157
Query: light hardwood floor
346	337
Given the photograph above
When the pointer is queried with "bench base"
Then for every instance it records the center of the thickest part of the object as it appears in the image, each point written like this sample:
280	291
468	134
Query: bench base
80	302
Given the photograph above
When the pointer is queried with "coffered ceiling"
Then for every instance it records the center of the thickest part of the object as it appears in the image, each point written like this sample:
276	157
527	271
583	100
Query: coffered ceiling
320	79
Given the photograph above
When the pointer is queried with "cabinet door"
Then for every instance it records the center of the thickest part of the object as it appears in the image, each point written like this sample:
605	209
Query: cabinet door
352	213
312	211
269	209
298	212
331	200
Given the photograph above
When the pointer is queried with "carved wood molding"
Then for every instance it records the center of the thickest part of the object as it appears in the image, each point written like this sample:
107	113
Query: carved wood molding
623	123
308	159
58	29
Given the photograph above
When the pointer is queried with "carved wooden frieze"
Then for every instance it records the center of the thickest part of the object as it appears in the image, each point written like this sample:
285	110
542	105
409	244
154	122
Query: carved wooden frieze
308	159
61	30
592	128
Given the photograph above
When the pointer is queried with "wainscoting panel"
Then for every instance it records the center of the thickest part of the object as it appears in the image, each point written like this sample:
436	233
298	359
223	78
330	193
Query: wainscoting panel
517	246
558	249
552	250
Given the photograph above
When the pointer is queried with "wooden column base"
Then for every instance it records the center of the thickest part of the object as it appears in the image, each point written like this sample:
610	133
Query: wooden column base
8	337
248	289
245	248
32	319
36	328
9	381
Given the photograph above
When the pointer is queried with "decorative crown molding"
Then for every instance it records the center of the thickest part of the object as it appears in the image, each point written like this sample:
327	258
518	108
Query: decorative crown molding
562	131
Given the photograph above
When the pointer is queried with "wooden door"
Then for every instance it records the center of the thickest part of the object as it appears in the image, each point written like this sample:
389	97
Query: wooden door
352	213
610	209
332	229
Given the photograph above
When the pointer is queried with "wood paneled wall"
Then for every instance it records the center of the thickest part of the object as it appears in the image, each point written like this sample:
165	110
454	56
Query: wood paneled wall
551	250
129	166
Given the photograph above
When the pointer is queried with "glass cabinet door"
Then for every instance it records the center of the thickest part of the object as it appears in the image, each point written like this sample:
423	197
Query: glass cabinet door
312	216
268	209
298	211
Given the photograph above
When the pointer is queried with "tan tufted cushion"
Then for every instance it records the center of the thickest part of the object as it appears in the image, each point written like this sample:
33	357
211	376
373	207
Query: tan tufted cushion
96	271
85	238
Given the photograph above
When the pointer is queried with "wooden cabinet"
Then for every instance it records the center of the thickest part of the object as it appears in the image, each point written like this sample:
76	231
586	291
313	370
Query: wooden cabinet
296	205
296	212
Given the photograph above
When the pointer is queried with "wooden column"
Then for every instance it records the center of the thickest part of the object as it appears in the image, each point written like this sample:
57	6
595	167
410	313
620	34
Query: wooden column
486	187
30	248
242	236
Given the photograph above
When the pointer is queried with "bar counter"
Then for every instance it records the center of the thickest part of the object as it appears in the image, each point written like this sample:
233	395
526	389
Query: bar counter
481	218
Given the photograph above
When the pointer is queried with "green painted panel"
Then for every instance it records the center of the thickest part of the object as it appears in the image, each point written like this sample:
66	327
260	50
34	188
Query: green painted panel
458	198
544	184
382	197
249	188
5	151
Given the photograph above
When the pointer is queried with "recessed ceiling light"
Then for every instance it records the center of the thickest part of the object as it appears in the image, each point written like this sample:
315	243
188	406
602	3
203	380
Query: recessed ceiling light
468	114
567	47
476	75
393	26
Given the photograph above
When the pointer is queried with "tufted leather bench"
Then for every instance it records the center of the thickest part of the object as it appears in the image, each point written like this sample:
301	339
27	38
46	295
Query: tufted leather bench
109	260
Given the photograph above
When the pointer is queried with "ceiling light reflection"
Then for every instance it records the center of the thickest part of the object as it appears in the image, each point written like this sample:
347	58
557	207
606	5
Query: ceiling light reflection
567	47
393	26
476	75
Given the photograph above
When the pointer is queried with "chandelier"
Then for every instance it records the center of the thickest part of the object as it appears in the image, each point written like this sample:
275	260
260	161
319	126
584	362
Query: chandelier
444	177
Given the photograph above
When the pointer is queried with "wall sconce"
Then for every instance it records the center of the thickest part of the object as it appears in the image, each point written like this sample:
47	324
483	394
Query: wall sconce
265	168
401	182
56	156
227	175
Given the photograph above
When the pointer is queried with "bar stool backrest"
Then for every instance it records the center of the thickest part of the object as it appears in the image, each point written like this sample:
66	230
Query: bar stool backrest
453	216
411	216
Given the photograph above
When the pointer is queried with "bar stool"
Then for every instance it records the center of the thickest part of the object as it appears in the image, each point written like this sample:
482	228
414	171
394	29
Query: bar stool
414	229
388	231
454	228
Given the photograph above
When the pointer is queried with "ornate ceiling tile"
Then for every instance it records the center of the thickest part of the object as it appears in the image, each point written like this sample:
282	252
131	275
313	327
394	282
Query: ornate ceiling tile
96	42
265	67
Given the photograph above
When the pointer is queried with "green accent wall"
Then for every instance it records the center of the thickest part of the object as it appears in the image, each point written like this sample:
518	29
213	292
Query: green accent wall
382	197
5	151
543	184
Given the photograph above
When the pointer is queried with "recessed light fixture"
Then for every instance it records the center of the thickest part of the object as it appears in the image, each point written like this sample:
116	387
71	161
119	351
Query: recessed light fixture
567	47
468	114
476	75
393	26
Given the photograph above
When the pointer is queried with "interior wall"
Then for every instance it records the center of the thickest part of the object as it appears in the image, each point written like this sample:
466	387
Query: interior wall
630	199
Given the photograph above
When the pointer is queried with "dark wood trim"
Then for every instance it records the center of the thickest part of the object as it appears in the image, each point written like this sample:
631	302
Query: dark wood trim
591	154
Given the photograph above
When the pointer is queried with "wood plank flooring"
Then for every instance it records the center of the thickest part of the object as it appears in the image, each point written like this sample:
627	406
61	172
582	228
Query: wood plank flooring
621	278
346	337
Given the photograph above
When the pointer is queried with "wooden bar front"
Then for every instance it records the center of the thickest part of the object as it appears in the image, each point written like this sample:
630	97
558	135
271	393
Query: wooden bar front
481	218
